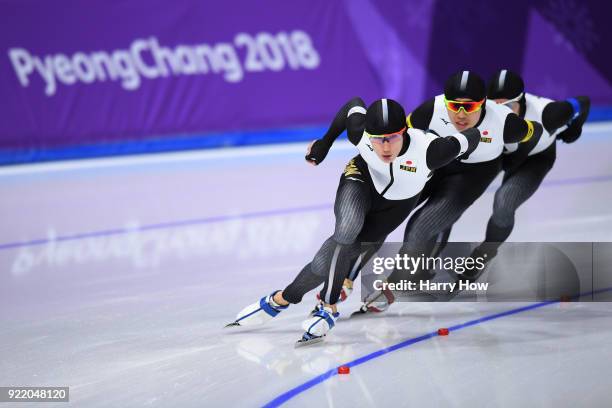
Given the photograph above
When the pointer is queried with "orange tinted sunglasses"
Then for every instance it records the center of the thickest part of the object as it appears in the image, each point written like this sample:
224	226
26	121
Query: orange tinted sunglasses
467	106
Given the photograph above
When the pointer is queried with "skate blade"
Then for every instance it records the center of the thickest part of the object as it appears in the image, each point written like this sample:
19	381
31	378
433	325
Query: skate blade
307	342
361	312
233	324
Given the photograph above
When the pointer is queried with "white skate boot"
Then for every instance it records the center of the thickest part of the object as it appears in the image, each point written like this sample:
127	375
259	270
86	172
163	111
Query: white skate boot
317	326
258	313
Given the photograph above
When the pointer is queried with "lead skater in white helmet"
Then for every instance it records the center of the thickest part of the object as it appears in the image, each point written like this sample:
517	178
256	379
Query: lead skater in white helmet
377	191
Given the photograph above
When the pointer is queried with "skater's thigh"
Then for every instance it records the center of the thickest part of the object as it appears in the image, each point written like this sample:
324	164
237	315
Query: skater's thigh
379	224
351	208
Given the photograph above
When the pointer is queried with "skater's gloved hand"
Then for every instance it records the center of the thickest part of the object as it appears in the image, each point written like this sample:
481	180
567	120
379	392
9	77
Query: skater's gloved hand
473	137
571	134
574	128
316	152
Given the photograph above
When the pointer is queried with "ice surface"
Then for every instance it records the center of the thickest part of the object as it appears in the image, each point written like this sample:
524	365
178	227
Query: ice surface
117	277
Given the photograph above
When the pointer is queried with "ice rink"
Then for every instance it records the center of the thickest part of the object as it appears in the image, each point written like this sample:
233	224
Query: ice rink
118	275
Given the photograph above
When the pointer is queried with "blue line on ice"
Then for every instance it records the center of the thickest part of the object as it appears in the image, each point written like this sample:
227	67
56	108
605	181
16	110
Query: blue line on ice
286	396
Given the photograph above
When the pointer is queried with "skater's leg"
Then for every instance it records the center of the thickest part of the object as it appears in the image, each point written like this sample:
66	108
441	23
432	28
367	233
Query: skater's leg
438	214
351	207
441	242
516	188
331	263
453	194
363	259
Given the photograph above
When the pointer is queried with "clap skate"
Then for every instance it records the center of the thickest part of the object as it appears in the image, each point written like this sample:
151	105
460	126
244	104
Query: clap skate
376	302
258	313
317	326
